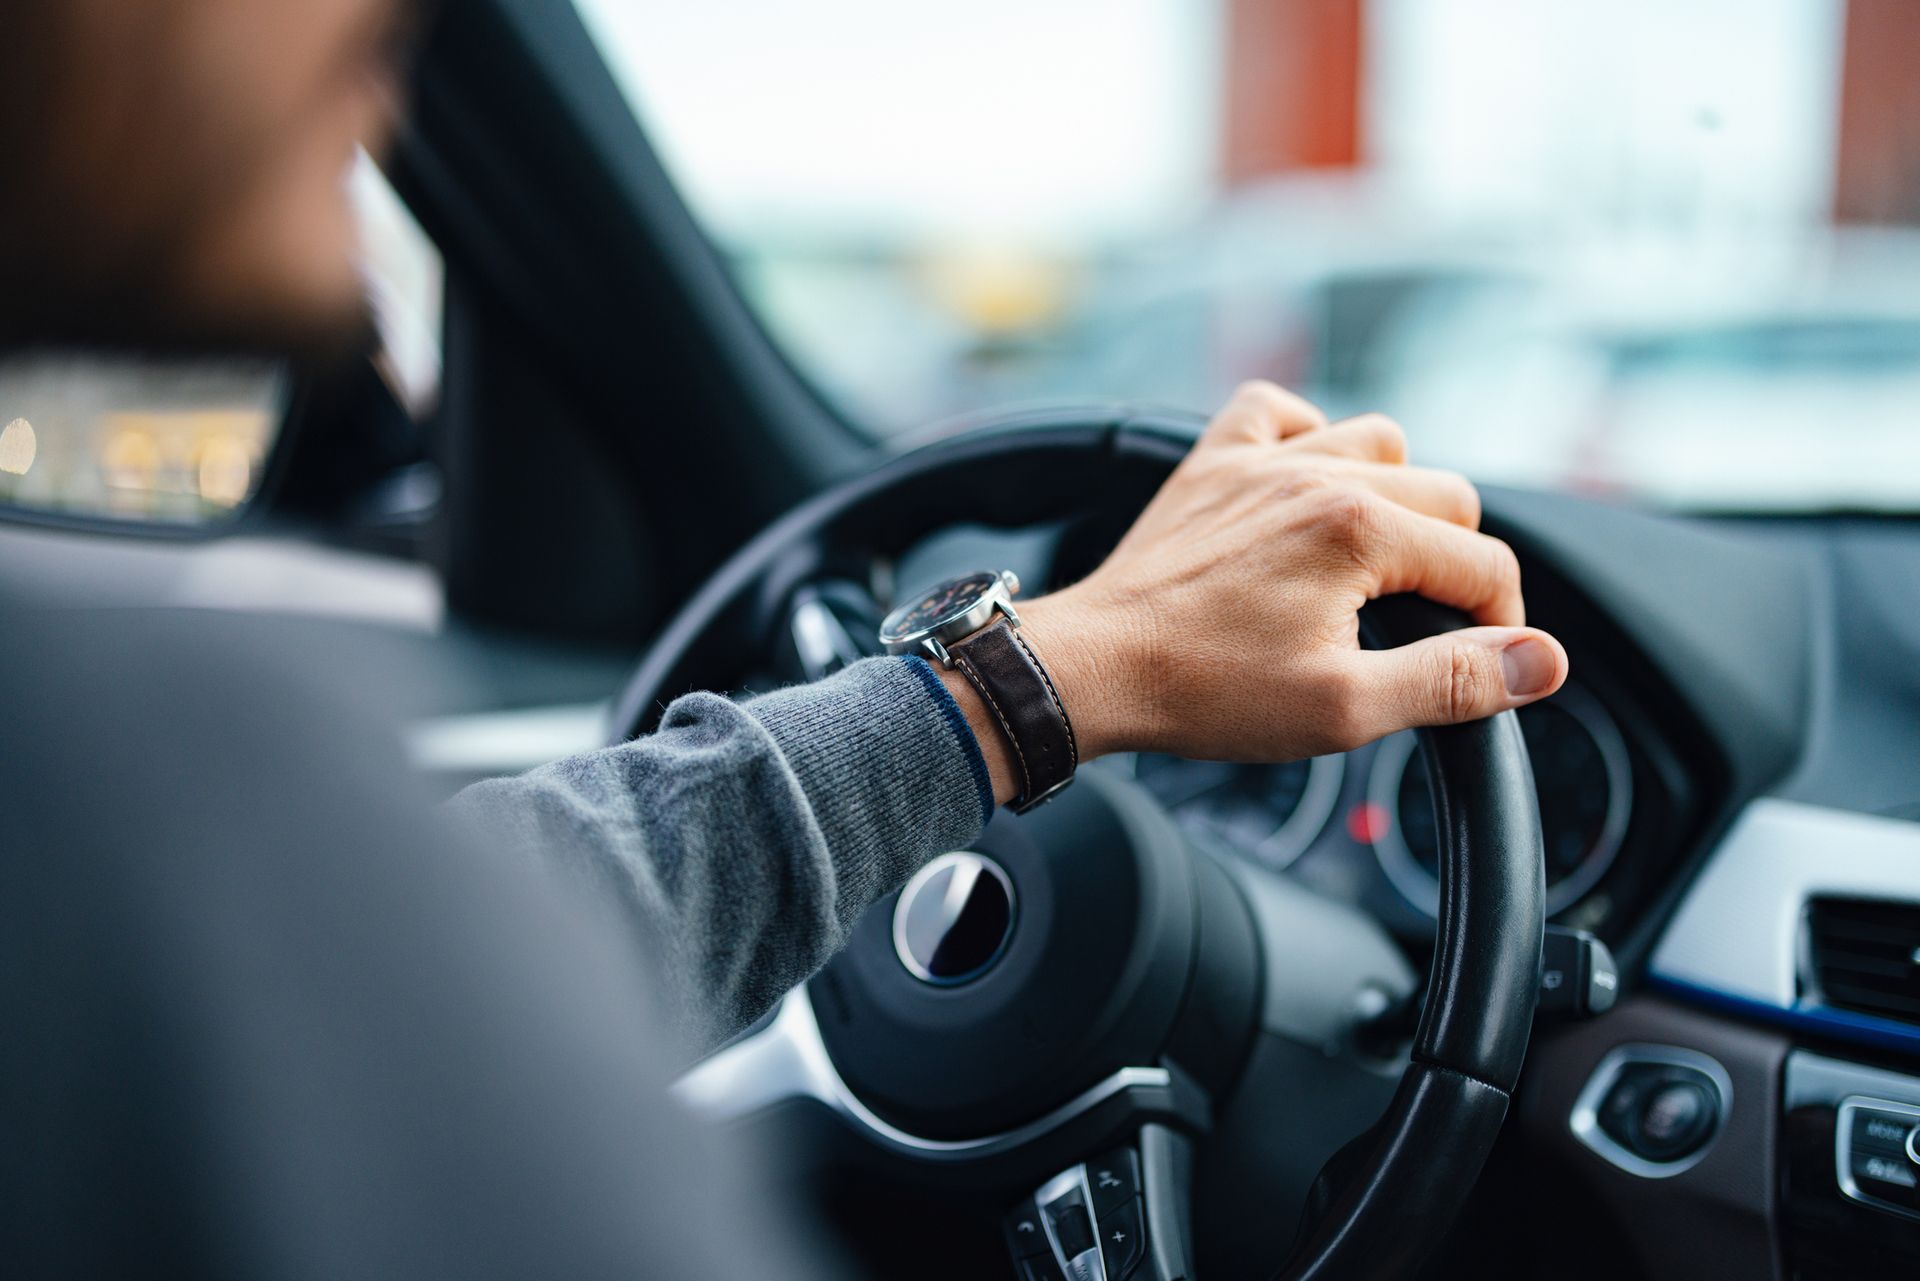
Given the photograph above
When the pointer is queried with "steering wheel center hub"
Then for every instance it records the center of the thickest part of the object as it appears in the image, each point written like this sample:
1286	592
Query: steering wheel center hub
954	919
1007	978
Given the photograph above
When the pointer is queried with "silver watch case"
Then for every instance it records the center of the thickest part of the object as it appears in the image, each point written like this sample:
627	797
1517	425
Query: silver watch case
933	641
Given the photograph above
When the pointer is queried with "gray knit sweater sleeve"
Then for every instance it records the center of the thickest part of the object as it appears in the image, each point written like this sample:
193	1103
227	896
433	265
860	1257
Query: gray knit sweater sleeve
743	840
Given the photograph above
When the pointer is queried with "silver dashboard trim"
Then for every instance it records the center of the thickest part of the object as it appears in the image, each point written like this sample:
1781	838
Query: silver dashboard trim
1585	1120
787	1060
1815	1081
1738	930
1843	1150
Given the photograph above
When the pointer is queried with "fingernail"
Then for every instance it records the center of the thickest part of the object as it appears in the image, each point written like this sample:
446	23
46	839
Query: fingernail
1528	666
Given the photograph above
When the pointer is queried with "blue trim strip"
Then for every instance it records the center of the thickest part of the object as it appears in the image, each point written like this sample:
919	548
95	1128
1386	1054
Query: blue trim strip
962	732
1844	1025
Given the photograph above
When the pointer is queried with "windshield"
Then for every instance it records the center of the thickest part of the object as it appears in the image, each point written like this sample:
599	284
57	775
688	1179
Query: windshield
1664	251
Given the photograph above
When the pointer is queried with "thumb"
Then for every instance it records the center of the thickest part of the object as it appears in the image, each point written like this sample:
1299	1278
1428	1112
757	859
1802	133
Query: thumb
1459	676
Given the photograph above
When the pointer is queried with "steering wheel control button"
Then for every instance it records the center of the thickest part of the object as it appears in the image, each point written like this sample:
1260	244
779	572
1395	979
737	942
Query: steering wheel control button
1578	975
1025	1237
1072	1225
954	919
1065	1205
1114	1180
1877	1153
1652	1110
1887	1133
1123	1240
1040	1267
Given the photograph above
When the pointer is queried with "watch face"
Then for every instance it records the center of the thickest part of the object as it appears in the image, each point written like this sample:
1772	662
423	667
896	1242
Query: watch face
941	605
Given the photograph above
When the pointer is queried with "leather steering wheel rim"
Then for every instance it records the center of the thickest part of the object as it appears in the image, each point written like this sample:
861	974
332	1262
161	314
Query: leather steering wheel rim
1392	1194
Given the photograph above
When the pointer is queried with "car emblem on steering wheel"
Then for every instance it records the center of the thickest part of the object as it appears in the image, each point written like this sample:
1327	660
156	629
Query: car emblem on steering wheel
954	919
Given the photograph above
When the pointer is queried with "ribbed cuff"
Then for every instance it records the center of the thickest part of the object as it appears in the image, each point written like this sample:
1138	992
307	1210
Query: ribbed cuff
962	732
888	763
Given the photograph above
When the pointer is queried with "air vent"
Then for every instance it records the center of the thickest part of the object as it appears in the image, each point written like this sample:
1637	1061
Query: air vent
1865	956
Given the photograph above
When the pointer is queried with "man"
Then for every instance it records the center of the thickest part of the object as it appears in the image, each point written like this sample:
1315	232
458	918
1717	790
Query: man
301	1024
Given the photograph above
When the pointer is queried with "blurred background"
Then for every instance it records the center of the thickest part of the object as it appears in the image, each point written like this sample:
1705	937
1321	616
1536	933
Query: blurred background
1662	249
186	443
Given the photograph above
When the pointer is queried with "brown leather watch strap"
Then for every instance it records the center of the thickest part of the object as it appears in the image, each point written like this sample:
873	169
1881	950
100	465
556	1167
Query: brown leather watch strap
999	663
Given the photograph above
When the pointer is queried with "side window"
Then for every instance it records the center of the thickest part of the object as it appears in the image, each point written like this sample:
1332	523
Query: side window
406	281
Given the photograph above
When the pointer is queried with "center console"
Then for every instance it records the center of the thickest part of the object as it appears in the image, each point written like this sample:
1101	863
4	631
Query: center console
1851	1198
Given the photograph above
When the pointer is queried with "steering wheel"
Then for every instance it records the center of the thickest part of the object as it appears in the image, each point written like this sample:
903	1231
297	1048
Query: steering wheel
1108	1062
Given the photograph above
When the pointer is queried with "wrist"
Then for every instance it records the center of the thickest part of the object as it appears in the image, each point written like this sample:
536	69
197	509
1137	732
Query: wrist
1090	664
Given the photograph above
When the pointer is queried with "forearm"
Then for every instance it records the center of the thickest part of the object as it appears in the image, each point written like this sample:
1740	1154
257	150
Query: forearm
747	840
743	841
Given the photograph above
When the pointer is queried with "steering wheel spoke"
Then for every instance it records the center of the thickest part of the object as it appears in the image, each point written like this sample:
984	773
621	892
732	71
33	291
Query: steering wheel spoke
831	624
787	1061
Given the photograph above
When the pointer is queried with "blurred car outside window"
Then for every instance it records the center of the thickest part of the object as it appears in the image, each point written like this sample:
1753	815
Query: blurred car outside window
1668	252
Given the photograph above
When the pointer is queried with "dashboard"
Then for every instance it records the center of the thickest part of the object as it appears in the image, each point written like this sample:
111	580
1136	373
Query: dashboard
1361	825
1727	785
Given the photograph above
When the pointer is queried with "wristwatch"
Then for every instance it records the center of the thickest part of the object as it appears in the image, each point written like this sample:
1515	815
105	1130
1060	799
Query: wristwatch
968	624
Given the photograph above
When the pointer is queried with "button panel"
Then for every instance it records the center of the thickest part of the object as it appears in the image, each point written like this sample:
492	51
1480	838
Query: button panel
1114	1178
1088	1223
1040	1268
1877	1153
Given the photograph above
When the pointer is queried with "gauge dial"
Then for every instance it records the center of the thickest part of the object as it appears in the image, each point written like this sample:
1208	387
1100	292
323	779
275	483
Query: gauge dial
1266	813
1584	779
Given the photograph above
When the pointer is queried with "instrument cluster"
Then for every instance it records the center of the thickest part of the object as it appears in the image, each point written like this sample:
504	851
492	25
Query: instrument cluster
1358	822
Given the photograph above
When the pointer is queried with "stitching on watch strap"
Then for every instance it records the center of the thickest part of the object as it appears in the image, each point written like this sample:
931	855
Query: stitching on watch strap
973	678
1073	745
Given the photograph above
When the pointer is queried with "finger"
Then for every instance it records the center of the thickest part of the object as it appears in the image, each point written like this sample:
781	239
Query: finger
1372	438
1261	413
1443	495
1449	679
1406	551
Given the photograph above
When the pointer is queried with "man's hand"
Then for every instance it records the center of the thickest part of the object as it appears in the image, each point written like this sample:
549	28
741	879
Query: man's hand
1226	624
